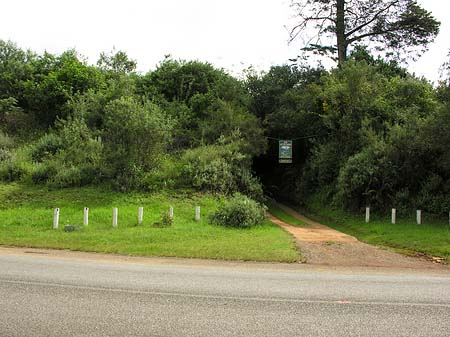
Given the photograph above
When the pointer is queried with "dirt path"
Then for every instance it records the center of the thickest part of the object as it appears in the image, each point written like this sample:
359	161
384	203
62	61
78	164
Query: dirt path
322	245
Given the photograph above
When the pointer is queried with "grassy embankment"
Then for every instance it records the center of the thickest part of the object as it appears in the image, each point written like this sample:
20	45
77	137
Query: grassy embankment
26	216
432	238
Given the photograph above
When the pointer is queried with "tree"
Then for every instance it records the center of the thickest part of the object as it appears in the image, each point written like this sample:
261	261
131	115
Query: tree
57	80
117	62
394	26
15	68
445	70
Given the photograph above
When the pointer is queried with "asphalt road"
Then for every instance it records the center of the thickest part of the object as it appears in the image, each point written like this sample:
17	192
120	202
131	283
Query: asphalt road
49	296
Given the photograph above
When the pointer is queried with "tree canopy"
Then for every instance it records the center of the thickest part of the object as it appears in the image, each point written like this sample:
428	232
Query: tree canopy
393	26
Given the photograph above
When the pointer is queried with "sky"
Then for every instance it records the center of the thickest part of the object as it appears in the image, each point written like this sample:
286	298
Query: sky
231	34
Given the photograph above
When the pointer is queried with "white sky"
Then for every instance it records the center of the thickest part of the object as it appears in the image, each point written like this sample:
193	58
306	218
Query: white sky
232	34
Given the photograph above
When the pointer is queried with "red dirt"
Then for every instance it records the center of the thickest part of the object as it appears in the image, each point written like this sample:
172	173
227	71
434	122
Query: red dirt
322	245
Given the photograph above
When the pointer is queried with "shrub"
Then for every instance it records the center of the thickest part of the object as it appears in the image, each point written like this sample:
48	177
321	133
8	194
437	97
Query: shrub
355	182
45	147
210	174
250	186
166	175
434	196
79	146
239	212
219	169
13	170
134	137
367	178
68	177
4	155
44	172
166	220
6	144
403	202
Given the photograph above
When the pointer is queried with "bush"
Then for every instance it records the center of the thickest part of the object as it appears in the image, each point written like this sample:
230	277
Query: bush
6	144
13	170
239	212
209	174
46	147
403	202
434	196
250	185
5	155
166	221
72	176
219	169
166	175
135	136
44	172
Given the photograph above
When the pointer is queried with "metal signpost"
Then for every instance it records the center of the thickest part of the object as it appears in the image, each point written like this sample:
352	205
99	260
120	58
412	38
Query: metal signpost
285	151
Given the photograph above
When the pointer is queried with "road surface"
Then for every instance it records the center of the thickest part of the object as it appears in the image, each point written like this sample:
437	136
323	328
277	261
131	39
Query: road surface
91	295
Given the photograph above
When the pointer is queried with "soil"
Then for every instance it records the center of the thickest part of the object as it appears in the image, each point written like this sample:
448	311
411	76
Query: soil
322	245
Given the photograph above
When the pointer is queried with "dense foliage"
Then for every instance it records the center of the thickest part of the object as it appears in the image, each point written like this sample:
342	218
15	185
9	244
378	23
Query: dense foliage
239	212
66	123
365	133
379	136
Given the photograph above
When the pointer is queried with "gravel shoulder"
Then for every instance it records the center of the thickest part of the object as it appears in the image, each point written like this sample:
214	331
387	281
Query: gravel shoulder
321	245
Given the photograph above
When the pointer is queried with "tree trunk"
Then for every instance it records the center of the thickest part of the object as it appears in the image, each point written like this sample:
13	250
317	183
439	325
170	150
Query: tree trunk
340	31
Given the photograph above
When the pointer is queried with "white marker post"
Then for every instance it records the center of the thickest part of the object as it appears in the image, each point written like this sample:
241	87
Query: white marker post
394	213
56	218
140	215
419	217
367	214
86	216
197	213
171	211
115	216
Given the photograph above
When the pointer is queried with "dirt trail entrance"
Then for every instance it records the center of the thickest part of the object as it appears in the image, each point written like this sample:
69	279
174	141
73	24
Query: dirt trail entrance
322	245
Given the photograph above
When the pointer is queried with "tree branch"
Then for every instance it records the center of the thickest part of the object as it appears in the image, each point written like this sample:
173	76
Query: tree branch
362	36
365	24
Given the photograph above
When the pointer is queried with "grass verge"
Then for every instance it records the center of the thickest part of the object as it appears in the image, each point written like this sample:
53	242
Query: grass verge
432	238
26	216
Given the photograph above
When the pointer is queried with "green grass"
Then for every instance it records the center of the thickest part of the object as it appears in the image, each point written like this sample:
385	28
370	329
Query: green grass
432	238
281	214
26	217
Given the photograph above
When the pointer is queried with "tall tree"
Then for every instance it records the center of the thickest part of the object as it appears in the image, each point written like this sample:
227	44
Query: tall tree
394	26
445	70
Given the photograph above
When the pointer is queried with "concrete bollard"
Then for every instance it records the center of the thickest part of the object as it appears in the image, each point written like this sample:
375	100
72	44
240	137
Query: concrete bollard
367	214
86	216
140	215
115	217
171	211
56	218
419	217
197	213
394	213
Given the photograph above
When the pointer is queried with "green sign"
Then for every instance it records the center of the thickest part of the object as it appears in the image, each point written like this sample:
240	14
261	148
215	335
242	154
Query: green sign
285	151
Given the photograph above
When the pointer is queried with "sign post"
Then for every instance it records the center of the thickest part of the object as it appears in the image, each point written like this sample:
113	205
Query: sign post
285	151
